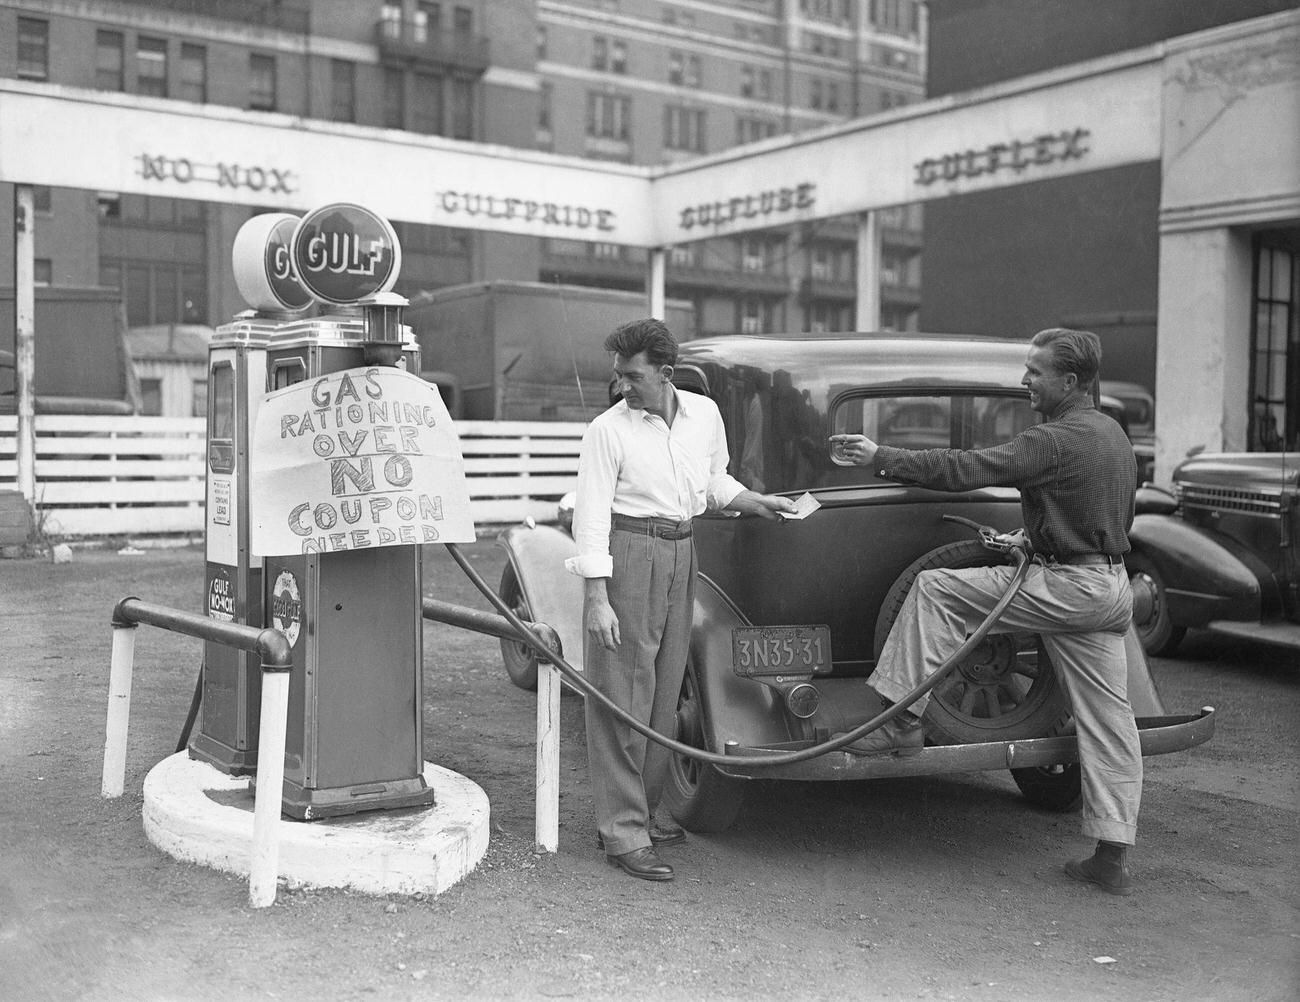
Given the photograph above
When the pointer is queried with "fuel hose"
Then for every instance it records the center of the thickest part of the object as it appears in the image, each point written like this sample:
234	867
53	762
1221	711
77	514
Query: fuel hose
576	679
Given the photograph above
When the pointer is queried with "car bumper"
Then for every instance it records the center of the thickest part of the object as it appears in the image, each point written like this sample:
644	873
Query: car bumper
1158	735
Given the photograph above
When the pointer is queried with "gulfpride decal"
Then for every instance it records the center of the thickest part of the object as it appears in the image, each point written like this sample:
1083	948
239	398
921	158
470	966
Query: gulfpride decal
356	459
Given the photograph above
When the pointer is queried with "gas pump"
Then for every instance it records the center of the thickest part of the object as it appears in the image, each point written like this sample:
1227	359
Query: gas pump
337	569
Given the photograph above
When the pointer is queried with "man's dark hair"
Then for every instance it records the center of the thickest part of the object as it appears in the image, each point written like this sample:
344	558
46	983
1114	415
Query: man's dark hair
650	336
1072	351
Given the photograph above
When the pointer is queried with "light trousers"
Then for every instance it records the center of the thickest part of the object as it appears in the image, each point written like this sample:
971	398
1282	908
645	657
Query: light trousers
1082	614
652	592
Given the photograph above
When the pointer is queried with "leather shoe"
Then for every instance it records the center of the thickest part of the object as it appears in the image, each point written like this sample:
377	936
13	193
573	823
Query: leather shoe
902	735
643	863
661	833
1107	868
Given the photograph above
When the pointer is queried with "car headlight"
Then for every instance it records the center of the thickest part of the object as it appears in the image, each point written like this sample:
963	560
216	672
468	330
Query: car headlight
564	511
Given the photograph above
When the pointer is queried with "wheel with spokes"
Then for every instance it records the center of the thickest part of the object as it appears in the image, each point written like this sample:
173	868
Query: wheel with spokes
1005	690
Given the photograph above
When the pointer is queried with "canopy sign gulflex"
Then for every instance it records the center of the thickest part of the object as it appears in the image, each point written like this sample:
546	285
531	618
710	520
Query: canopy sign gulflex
328	465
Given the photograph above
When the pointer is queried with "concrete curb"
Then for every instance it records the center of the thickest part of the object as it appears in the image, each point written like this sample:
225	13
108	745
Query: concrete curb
200	815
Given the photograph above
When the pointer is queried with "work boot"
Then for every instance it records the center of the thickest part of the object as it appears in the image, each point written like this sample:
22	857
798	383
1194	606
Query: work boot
902	736
1107	868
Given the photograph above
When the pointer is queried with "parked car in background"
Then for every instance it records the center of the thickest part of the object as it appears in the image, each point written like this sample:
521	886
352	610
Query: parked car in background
1139	408
790	617
1222	552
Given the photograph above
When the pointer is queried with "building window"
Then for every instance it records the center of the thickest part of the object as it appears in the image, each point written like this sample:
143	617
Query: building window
618	57
151	397
109	60
832	96
193	73
814	94
394	98
753	254
755	315
151	66
684	256
684	128
426	22
426	104
683	70
42	271
822	267
343	90
545	97
199	398
33	49
42	199
542	43
608	116
599	53
900	17
1275	337
462	109
751	130
756	83
390	20
261	82
462	20
159	292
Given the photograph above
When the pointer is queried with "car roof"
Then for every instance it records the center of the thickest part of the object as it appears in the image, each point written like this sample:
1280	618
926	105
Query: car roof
884	359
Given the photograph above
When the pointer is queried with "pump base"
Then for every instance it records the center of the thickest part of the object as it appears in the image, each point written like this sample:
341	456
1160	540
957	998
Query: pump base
198	814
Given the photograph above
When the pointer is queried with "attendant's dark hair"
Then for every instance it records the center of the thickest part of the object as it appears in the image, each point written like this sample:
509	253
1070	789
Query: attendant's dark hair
650	336
1072	351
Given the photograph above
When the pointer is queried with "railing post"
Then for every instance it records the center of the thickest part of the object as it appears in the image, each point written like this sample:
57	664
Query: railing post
547	812
119	709
264	864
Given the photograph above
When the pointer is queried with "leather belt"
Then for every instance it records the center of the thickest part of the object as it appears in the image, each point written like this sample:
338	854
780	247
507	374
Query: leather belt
660	528
1086	560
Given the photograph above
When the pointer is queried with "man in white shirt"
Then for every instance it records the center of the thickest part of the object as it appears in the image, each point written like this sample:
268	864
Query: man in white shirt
648	466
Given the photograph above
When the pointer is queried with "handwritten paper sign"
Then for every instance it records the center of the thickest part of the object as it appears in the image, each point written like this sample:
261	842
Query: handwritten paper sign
356	459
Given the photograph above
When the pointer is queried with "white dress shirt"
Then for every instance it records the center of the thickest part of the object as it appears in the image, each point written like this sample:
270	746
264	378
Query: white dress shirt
633	463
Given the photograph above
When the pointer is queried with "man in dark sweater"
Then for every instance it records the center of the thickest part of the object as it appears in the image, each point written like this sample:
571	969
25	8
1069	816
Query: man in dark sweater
1076	475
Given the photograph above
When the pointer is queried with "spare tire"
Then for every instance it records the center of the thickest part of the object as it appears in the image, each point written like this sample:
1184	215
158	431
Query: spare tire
1006	690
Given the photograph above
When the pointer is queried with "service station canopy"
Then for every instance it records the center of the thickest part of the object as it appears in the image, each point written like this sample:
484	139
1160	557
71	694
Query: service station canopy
1087	117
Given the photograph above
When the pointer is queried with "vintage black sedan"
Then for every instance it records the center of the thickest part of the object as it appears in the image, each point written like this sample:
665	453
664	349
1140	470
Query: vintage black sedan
790	616
1221	553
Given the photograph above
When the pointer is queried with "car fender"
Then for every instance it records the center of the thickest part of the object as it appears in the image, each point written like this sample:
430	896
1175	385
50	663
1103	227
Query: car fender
554	596
1143	695
1206	576
735	709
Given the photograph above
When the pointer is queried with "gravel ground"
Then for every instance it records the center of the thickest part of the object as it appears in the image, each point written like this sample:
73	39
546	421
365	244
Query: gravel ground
947	887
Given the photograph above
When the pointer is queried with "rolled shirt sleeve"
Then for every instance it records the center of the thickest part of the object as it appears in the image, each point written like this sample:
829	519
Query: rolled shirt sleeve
598	466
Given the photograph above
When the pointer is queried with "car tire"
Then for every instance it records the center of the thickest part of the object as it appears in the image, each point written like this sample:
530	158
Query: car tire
1007	690
520	661
1056	788
1052	787
701	798
1151	619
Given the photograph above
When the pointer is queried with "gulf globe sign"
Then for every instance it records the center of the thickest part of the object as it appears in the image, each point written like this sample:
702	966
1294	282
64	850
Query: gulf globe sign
263	264
344	253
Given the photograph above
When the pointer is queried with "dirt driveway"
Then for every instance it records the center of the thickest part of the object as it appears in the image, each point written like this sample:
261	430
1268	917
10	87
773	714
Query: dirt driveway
944	888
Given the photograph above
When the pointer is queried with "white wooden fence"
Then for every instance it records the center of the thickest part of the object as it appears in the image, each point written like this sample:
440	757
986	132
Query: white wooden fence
131	476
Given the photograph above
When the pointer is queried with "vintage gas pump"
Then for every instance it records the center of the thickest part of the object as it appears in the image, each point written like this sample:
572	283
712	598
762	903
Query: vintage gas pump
343	445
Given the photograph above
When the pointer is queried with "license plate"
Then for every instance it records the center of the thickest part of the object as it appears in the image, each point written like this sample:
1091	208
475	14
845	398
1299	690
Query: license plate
762	651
